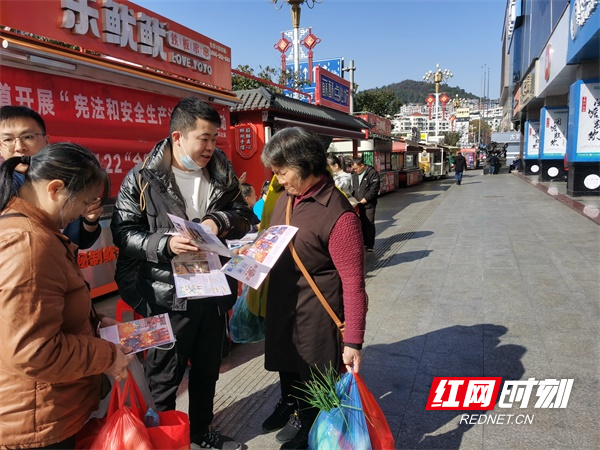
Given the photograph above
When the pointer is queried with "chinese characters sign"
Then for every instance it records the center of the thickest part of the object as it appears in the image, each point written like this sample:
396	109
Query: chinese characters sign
584	122
469	393
553	132
532	139
246	140
119	125
332	91
124	30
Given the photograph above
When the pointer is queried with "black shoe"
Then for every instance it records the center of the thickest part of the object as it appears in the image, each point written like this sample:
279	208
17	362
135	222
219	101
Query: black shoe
369	249
280	416
214	439
299	442
290	430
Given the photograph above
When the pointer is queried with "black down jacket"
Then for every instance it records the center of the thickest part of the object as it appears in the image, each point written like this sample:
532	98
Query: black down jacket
140	225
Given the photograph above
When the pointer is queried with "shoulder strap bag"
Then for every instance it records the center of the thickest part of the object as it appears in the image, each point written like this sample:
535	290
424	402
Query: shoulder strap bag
311	282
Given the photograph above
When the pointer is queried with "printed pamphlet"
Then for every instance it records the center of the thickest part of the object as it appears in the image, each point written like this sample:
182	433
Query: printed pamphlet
252	266
200	235
198	275
249	238
141	334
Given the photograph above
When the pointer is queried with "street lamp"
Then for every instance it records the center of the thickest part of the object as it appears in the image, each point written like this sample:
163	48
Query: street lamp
437	77
456	103
295	4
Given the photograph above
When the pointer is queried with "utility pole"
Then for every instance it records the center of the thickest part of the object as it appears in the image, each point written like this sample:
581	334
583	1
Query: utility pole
351	68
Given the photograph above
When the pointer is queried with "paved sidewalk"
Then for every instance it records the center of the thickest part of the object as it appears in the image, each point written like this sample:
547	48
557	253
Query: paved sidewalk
589	206
464	281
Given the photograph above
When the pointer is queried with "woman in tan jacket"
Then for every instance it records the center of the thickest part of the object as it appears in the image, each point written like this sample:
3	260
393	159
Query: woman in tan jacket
52	361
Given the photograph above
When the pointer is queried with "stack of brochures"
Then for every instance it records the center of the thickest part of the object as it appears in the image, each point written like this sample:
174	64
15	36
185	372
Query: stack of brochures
200	274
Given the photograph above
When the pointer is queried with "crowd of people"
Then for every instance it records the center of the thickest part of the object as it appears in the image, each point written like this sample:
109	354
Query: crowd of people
50	205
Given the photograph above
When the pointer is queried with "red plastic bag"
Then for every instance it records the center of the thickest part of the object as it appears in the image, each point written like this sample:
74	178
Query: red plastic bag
379	430
123	428
173	433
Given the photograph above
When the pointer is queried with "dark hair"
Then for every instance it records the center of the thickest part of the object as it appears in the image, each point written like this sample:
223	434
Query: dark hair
187	112
10	112
73	164
332	160
265	187
358	161
297	149
246	189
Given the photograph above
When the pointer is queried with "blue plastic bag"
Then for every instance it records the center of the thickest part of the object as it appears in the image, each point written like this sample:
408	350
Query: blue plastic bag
342	428
244	326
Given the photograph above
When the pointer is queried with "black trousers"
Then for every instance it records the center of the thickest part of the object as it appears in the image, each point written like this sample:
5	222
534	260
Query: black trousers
199	332
292	386
367	223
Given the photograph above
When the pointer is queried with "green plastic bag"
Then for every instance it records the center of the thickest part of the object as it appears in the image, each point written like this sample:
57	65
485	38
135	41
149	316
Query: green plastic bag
244	326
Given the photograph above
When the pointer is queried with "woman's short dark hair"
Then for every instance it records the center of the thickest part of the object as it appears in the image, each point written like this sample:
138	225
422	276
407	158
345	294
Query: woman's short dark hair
187	112
296	148
73	164
332	160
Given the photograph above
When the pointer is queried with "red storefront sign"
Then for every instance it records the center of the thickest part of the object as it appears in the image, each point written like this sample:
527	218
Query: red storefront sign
119	125
380	125
124	30
246	140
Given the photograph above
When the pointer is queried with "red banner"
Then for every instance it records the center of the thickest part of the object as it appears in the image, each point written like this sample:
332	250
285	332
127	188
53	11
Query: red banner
124	30
120	125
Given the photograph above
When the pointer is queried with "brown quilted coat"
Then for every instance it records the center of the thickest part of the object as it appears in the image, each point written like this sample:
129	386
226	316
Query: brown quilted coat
50	359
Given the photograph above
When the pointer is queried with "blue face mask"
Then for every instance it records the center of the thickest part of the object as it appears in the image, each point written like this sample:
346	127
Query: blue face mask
187	160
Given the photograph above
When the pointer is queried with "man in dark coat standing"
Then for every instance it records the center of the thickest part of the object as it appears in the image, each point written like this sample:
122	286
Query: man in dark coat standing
460	165
188	176
365	185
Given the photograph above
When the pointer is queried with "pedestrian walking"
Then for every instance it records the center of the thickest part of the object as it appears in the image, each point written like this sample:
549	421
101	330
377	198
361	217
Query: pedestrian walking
493	161
187	176
365	187
460	165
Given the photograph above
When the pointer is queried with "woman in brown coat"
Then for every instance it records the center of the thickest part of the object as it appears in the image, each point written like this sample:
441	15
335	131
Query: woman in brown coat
51	363
299	334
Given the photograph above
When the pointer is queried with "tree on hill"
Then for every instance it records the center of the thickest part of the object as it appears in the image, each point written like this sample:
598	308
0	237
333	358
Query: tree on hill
382	102
410	91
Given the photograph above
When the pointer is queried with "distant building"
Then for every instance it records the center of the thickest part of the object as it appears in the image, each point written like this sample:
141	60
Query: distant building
416	115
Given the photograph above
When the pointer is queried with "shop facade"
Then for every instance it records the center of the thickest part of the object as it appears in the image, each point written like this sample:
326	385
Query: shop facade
551	89
262	113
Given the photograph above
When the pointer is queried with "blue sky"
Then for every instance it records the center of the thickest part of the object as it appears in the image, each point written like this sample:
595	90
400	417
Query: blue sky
389	40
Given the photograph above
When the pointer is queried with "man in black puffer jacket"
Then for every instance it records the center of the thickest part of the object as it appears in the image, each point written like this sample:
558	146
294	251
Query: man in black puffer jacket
187	176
